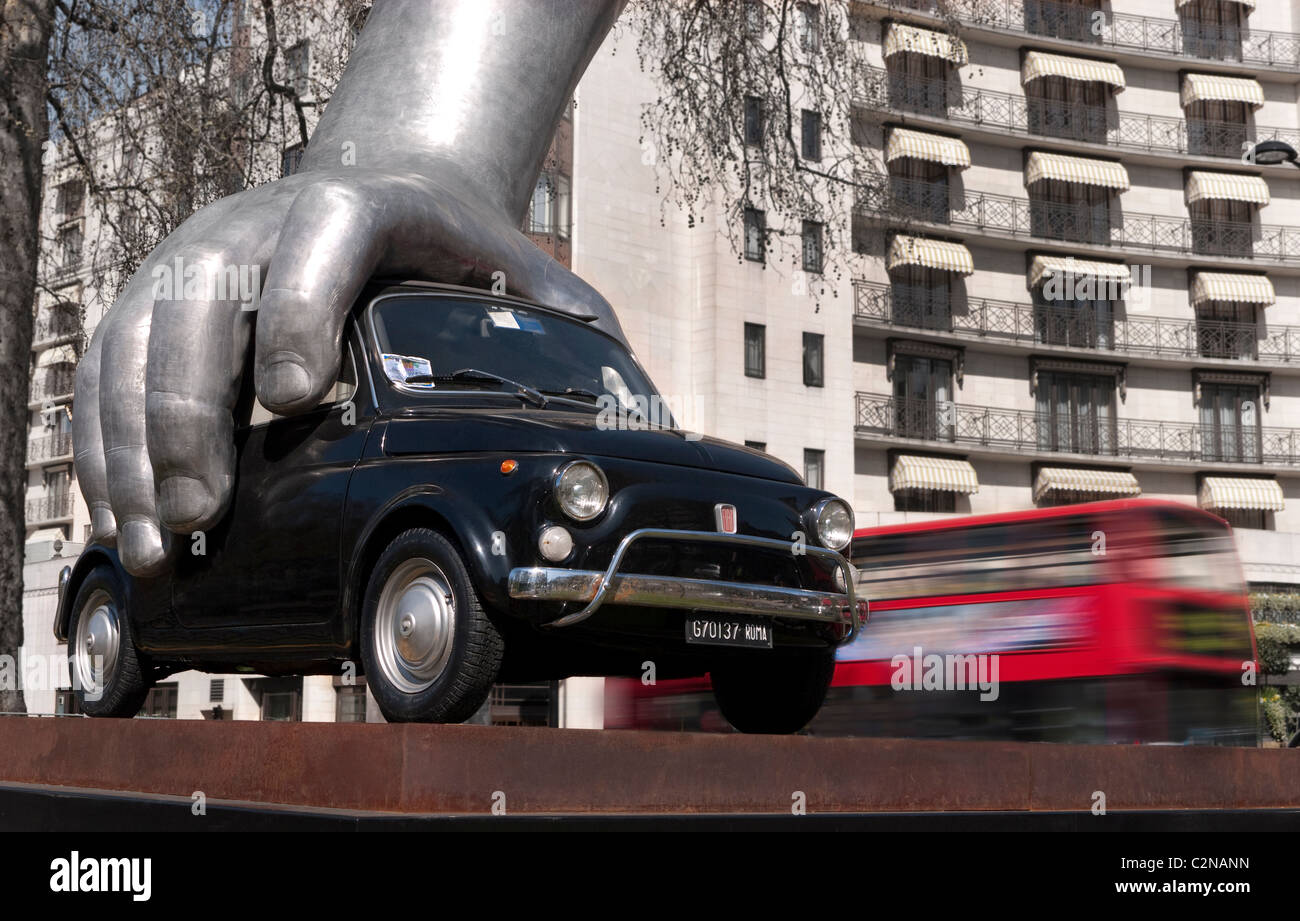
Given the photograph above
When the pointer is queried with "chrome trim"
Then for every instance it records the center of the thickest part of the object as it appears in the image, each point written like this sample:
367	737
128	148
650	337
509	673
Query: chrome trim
717	517
554	584
65	576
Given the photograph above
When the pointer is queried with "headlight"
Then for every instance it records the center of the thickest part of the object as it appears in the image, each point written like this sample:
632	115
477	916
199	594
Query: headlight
582	490
834	523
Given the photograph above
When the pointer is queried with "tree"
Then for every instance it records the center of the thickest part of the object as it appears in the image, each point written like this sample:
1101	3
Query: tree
24	46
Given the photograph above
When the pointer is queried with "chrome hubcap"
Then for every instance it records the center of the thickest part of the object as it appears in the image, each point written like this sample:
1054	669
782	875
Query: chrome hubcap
415	625
97	644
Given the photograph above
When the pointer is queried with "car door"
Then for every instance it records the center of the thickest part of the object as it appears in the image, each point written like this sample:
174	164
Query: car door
274	558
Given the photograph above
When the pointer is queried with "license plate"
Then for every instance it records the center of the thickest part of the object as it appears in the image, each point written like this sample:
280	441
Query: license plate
723	630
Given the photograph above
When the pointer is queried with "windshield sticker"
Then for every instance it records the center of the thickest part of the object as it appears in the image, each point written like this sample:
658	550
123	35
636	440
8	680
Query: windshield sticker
401	368
503	319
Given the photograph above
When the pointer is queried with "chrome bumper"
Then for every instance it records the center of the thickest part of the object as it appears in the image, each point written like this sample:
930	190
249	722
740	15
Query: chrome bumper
539	583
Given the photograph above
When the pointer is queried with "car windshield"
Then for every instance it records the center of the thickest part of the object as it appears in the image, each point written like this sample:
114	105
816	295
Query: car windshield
441	343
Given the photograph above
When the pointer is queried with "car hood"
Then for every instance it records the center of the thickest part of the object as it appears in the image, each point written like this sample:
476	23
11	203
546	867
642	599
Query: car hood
531	430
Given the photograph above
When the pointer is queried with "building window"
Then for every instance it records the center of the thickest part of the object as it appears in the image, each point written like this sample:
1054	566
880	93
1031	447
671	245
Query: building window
69	246
809	22
66	703
814	359
298	64
1071	109
754	25
814	468
351	703
291	159
811	135
1225	330
1221	227
541	214
1076	413
160	703
757	445
1230	423
1070	211
1084	324
755	350
923	397
71	199
563	205
812	246
1254	518
920	296
918	83
753	121
925	500
918	189
755	234
281	699
1217	128
1072	19
1211	29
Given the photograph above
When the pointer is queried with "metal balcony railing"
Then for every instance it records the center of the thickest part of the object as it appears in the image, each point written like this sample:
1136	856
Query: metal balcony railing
1028	431
1031	116
1099	225
56	507
52	382
1181	38
49	447
1007	321
51	328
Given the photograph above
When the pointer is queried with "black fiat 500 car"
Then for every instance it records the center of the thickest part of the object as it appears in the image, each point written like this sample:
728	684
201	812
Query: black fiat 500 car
484	496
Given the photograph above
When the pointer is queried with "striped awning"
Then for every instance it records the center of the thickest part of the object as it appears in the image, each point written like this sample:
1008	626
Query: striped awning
1044	267
1218	88
1040	64
59	355
1232	288
1248	4
1226	187
1105	173
933	44
921	145
933	254
911	471
1241	492
1096	482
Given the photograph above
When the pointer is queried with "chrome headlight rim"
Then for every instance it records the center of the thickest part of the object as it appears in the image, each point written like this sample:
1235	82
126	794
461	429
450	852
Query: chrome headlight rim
557	490
819	509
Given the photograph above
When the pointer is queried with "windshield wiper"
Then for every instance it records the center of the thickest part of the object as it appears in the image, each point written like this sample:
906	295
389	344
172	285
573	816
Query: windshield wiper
573	392
474	374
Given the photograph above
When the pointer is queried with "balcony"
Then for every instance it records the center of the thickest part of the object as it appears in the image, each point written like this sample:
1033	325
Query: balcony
56	507
1033	117
1005	215
50	331
878	304
52	447
1121	31
1018	431
53	382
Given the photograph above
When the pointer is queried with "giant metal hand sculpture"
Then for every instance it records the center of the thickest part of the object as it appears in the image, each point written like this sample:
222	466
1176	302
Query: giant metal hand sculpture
422	166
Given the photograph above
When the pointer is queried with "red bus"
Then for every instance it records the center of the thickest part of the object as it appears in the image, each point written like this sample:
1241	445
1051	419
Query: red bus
1123	621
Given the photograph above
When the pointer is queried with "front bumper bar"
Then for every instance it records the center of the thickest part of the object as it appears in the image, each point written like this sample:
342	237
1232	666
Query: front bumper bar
538	583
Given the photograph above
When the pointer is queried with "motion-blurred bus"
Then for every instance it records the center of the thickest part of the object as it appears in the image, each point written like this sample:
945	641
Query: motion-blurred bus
1123	621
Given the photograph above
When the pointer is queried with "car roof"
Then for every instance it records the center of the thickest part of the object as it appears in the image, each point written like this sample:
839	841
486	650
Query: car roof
382	286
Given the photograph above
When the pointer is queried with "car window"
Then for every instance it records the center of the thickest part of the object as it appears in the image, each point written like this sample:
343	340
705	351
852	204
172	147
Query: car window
343	389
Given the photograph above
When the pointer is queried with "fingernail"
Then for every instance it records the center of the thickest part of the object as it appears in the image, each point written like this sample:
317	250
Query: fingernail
103	526
182	501
140	546
286	383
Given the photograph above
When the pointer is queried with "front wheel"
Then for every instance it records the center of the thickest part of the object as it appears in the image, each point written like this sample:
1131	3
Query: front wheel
771	694
429	650
107	676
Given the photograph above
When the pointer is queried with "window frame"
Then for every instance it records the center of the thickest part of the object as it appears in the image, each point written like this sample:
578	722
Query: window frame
756	334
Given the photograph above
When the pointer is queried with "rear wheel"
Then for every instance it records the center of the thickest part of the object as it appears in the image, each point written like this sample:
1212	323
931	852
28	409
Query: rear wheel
107	676
775	694
429	650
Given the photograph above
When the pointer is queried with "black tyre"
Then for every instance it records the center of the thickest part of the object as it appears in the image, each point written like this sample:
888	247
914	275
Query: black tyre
107	676
429	650
775	694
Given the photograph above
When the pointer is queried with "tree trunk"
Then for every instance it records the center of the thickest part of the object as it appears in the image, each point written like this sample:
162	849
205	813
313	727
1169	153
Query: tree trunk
24	49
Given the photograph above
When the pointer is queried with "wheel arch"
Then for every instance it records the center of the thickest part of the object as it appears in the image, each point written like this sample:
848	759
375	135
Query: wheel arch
91	559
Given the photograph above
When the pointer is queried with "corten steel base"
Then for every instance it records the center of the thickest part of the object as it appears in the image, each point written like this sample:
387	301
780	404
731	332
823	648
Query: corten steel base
443	770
